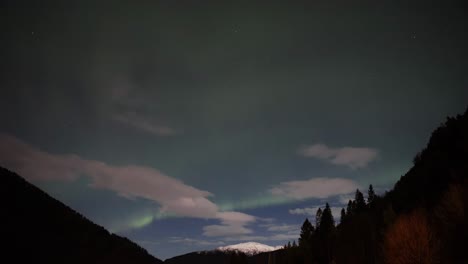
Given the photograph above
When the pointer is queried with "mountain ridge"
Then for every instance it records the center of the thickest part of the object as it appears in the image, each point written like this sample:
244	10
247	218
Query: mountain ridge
51	232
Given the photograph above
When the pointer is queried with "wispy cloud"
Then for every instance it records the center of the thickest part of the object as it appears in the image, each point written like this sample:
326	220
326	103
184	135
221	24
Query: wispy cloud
274	237
280	227
274	232
147	242
143	123
344	199
122	101
196	242
311	211
232	223
314	188
347	156
132	181
225	230
128	181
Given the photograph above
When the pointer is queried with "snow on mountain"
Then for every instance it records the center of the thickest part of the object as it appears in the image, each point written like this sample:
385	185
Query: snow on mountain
249	248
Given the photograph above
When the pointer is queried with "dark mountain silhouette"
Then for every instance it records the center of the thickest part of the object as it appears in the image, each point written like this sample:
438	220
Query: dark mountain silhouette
226	257
206	257
437	186
277	256
36	228
444	161
423	219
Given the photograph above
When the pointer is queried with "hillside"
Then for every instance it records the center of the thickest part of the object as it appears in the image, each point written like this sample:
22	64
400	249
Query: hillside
36	228
437	184
249	252
206	257
421	220
444	161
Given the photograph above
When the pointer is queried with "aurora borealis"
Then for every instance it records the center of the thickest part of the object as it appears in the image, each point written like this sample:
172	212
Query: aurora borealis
186	125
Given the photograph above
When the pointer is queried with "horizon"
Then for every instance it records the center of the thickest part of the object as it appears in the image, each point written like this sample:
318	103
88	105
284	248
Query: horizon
189	126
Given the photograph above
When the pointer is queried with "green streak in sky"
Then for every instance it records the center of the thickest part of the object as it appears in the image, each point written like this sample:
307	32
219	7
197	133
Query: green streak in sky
135	221
253	203
142	221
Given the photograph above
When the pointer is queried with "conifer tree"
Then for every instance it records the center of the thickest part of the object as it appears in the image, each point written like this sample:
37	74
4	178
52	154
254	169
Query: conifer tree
318	217
307	231
294	244
326	235
343	216
327	222
360	202
349	208
370	195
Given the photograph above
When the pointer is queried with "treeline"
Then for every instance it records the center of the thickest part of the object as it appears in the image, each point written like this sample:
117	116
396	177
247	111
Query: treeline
423	219
323	240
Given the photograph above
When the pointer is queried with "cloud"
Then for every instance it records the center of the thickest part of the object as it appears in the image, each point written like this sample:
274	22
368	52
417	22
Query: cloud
197	242
173	196
128	181
277	232
303	211
344	199
314	188
275	237
286	236
266	219
147	242
280	227
311	211
225	230
123	101
145	124
232	223
348	156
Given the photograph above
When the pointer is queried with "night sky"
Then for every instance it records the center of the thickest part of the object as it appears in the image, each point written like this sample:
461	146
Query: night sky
187	125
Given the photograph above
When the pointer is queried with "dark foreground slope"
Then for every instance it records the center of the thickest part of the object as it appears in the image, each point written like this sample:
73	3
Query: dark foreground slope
36	228
424	215
438	185
443	162
220	257
205	257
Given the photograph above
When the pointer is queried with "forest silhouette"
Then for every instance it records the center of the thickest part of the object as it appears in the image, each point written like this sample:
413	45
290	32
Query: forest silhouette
421	220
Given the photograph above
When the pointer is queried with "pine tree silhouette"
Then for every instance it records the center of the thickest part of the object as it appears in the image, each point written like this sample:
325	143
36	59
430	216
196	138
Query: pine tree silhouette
370	195
360	202
307	231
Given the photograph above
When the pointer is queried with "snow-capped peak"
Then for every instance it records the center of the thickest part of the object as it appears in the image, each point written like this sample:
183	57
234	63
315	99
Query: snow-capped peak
249	248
